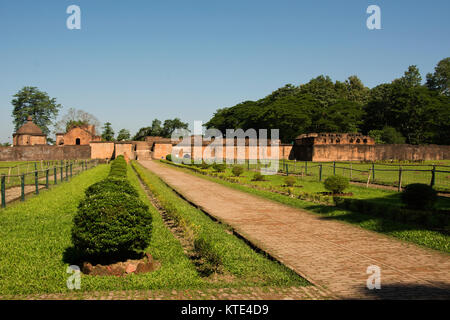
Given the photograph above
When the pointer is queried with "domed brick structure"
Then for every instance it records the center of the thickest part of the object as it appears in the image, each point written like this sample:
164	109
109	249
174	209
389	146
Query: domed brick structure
29	135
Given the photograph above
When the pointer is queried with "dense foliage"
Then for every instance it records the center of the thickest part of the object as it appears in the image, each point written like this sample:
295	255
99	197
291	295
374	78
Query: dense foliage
397	112
336	184
30	101
112	223
157	130
419	196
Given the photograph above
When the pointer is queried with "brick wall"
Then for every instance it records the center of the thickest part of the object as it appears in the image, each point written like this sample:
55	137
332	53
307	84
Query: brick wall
44	152
371	152
102	150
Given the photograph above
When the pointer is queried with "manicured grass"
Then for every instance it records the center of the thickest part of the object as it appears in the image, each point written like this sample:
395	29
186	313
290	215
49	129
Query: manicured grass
385	173
246	266
404	231
36	249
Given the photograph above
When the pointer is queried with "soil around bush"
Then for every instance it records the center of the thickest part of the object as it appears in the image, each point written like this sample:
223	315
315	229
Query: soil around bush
344	194
120	269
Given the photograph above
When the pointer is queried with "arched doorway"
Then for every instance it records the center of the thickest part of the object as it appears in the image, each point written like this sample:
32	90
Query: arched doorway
78	141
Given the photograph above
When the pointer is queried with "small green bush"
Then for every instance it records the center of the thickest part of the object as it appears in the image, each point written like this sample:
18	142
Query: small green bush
111	226
237	171
219	167
169	157
118	167
258	177
290	181
112	184
419	196
336	184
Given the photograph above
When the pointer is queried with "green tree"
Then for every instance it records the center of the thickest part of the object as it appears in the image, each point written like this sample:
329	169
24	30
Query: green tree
387	135
108	132
440	80
74	118
30	101
123	134
170	126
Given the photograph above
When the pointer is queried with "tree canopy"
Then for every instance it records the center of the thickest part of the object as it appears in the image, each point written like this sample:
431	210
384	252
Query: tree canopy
403	111
30	101
108	132
157	130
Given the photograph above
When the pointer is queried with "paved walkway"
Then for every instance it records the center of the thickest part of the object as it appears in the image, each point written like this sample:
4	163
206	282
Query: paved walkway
260	293
328	253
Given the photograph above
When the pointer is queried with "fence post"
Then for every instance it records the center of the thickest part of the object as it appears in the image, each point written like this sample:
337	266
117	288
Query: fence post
46	179
320	172
36	181
287	169
334	168
67	172
373	172
351	169
306	168
55	175
22	187
3	187
399	179
71	173
433	176
61	169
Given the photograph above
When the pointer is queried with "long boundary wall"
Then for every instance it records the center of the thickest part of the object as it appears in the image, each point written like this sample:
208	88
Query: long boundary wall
44	152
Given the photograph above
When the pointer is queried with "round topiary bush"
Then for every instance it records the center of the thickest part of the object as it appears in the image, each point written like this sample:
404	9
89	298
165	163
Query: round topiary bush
112	184
290	181
169	157
111	226
336	184
237	171
219	167
419	196
258	177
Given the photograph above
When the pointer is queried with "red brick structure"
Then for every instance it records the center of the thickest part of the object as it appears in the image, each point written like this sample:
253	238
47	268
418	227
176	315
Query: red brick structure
77	136
29	135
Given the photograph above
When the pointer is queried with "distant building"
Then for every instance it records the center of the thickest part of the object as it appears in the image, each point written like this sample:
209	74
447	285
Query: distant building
77	136
310	139
29	135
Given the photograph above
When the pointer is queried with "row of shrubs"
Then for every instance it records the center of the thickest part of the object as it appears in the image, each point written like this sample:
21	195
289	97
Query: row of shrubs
112	223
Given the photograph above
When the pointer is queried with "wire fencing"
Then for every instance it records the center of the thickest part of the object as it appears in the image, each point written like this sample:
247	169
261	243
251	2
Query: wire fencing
437	176
18	180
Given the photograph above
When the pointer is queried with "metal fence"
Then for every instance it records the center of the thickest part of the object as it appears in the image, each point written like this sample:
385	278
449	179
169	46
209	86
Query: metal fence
25	180
395	175
437	176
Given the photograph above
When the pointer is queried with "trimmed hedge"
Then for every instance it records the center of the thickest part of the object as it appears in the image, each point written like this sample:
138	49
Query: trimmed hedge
112	184
419	196
237	171
111	225
336	184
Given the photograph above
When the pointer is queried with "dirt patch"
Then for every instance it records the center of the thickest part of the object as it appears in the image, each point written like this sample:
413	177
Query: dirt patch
120	269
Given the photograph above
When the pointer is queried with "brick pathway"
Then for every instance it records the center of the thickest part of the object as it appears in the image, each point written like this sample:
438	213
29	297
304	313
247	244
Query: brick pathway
261	293
330	254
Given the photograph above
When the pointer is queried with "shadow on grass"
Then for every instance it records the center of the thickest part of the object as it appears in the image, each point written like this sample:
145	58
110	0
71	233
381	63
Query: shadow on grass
378	223
441	291
73	256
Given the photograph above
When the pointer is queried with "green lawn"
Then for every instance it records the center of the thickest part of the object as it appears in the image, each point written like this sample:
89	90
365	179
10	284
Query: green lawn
36	249
405	231
16	168
385	173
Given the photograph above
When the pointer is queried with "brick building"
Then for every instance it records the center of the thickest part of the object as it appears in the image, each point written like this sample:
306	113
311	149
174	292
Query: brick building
77	136
29	135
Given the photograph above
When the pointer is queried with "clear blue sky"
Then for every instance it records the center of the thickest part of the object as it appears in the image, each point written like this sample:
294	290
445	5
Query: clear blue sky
133	61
